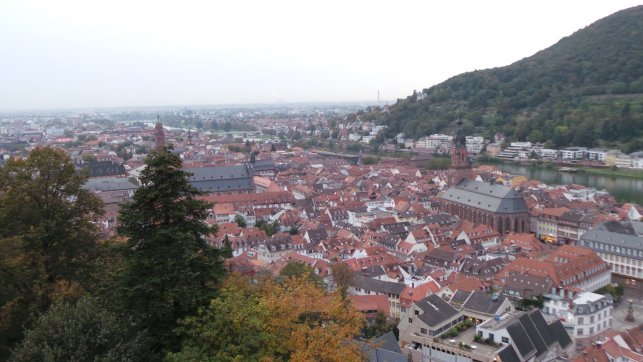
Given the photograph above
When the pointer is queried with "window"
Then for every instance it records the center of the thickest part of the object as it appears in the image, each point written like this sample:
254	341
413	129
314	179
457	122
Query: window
491	337
505	340
422	330
580	319
410	320
417	312
579	332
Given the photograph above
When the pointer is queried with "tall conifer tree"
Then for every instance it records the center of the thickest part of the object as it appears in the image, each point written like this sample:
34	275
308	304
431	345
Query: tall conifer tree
170	270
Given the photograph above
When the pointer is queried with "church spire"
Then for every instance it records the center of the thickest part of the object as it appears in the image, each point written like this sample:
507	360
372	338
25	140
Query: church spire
460	166
159	135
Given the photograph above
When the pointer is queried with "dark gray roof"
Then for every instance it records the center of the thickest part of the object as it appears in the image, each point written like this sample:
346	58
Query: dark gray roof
625	235
317	235
388	342
435	310
541	325
508	354
440	219
220	179
486	196
104	169
373	271
384	349
263	165
375	285
560	334
109	184
483	268
534	334
459	297
484	303
521	339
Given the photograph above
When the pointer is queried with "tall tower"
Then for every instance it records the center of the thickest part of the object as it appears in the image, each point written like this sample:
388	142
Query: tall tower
460	166
159	135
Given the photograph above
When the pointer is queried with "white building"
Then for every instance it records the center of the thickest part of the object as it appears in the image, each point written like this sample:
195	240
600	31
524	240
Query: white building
597	154
620	244
573	153
585	316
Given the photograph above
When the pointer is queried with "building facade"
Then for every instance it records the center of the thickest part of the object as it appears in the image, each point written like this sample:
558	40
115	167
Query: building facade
620	244
498	206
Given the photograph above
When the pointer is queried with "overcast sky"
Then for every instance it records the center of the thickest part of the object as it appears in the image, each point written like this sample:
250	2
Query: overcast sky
91	53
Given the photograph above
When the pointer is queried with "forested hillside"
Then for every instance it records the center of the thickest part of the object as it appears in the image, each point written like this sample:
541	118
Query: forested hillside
587	89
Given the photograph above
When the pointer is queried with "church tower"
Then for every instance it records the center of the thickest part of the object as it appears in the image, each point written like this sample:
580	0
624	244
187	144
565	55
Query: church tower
159	135
460	166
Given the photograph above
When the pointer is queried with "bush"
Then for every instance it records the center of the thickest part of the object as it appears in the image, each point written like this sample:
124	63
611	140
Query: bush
477	338
468	322
453	332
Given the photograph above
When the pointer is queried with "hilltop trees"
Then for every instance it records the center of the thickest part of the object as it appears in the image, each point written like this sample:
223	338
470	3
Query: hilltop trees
170	271
47	239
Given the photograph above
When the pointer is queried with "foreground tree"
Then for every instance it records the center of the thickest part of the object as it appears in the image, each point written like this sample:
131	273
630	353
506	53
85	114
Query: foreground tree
47	238
170	270
292	319
231	328
81	332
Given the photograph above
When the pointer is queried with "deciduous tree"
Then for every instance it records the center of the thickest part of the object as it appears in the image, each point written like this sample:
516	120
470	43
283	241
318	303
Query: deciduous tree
47	238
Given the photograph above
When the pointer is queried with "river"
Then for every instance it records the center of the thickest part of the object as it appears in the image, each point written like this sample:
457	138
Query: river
624	189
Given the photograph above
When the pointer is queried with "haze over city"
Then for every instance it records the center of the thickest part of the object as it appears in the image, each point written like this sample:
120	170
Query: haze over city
76	54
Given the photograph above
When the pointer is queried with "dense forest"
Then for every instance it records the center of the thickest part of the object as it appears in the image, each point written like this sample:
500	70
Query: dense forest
157	290
585	90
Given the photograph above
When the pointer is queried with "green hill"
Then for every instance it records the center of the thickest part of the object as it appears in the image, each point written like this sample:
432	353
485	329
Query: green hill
587	89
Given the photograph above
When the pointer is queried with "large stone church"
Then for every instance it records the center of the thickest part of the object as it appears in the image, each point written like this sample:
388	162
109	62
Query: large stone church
498	206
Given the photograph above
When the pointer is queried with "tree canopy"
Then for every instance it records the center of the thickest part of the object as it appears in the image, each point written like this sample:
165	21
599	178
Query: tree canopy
47	238
84	331
291	319
170	270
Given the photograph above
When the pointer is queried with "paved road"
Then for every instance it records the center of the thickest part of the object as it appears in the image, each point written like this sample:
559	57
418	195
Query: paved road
618	315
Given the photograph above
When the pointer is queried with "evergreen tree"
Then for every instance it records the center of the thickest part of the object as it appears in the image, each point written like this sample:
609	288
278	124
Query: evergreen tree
170	270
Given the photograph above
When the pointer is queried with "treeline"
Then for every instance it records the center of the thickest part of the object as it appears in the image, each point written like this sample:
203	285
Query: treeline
156	291
586	90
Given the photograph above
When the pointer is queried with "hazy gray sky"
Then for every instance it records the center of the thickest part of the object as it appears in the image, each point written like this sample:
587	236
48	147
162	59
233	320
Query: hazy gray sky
90	53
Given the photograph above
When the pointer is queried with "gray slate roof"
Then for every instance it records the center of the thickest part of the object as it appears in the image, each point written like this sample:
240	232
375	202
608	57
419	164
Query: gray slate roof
109	184
387	350
220	179
508	354
459	297
486	196
375	285
436	310
626	234
483	303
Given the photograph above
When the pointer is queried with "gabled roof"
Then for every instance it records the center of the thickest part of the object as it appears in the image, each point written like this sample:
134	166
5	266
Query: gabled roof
435	310
508	354
378	286
521	340
484	303
486	196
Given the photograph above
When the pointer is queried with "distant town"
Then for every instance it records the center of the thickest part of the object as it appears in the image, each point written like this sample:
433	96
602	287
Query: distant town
454	255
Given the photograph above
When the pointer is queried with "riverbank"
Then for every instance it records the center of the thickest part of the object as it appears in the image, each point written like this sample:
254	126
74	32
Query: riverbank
619	172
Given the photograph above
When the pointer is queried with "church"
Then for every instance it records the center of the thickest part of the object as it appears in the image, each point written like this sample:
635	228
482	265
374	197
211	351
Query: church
498	206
